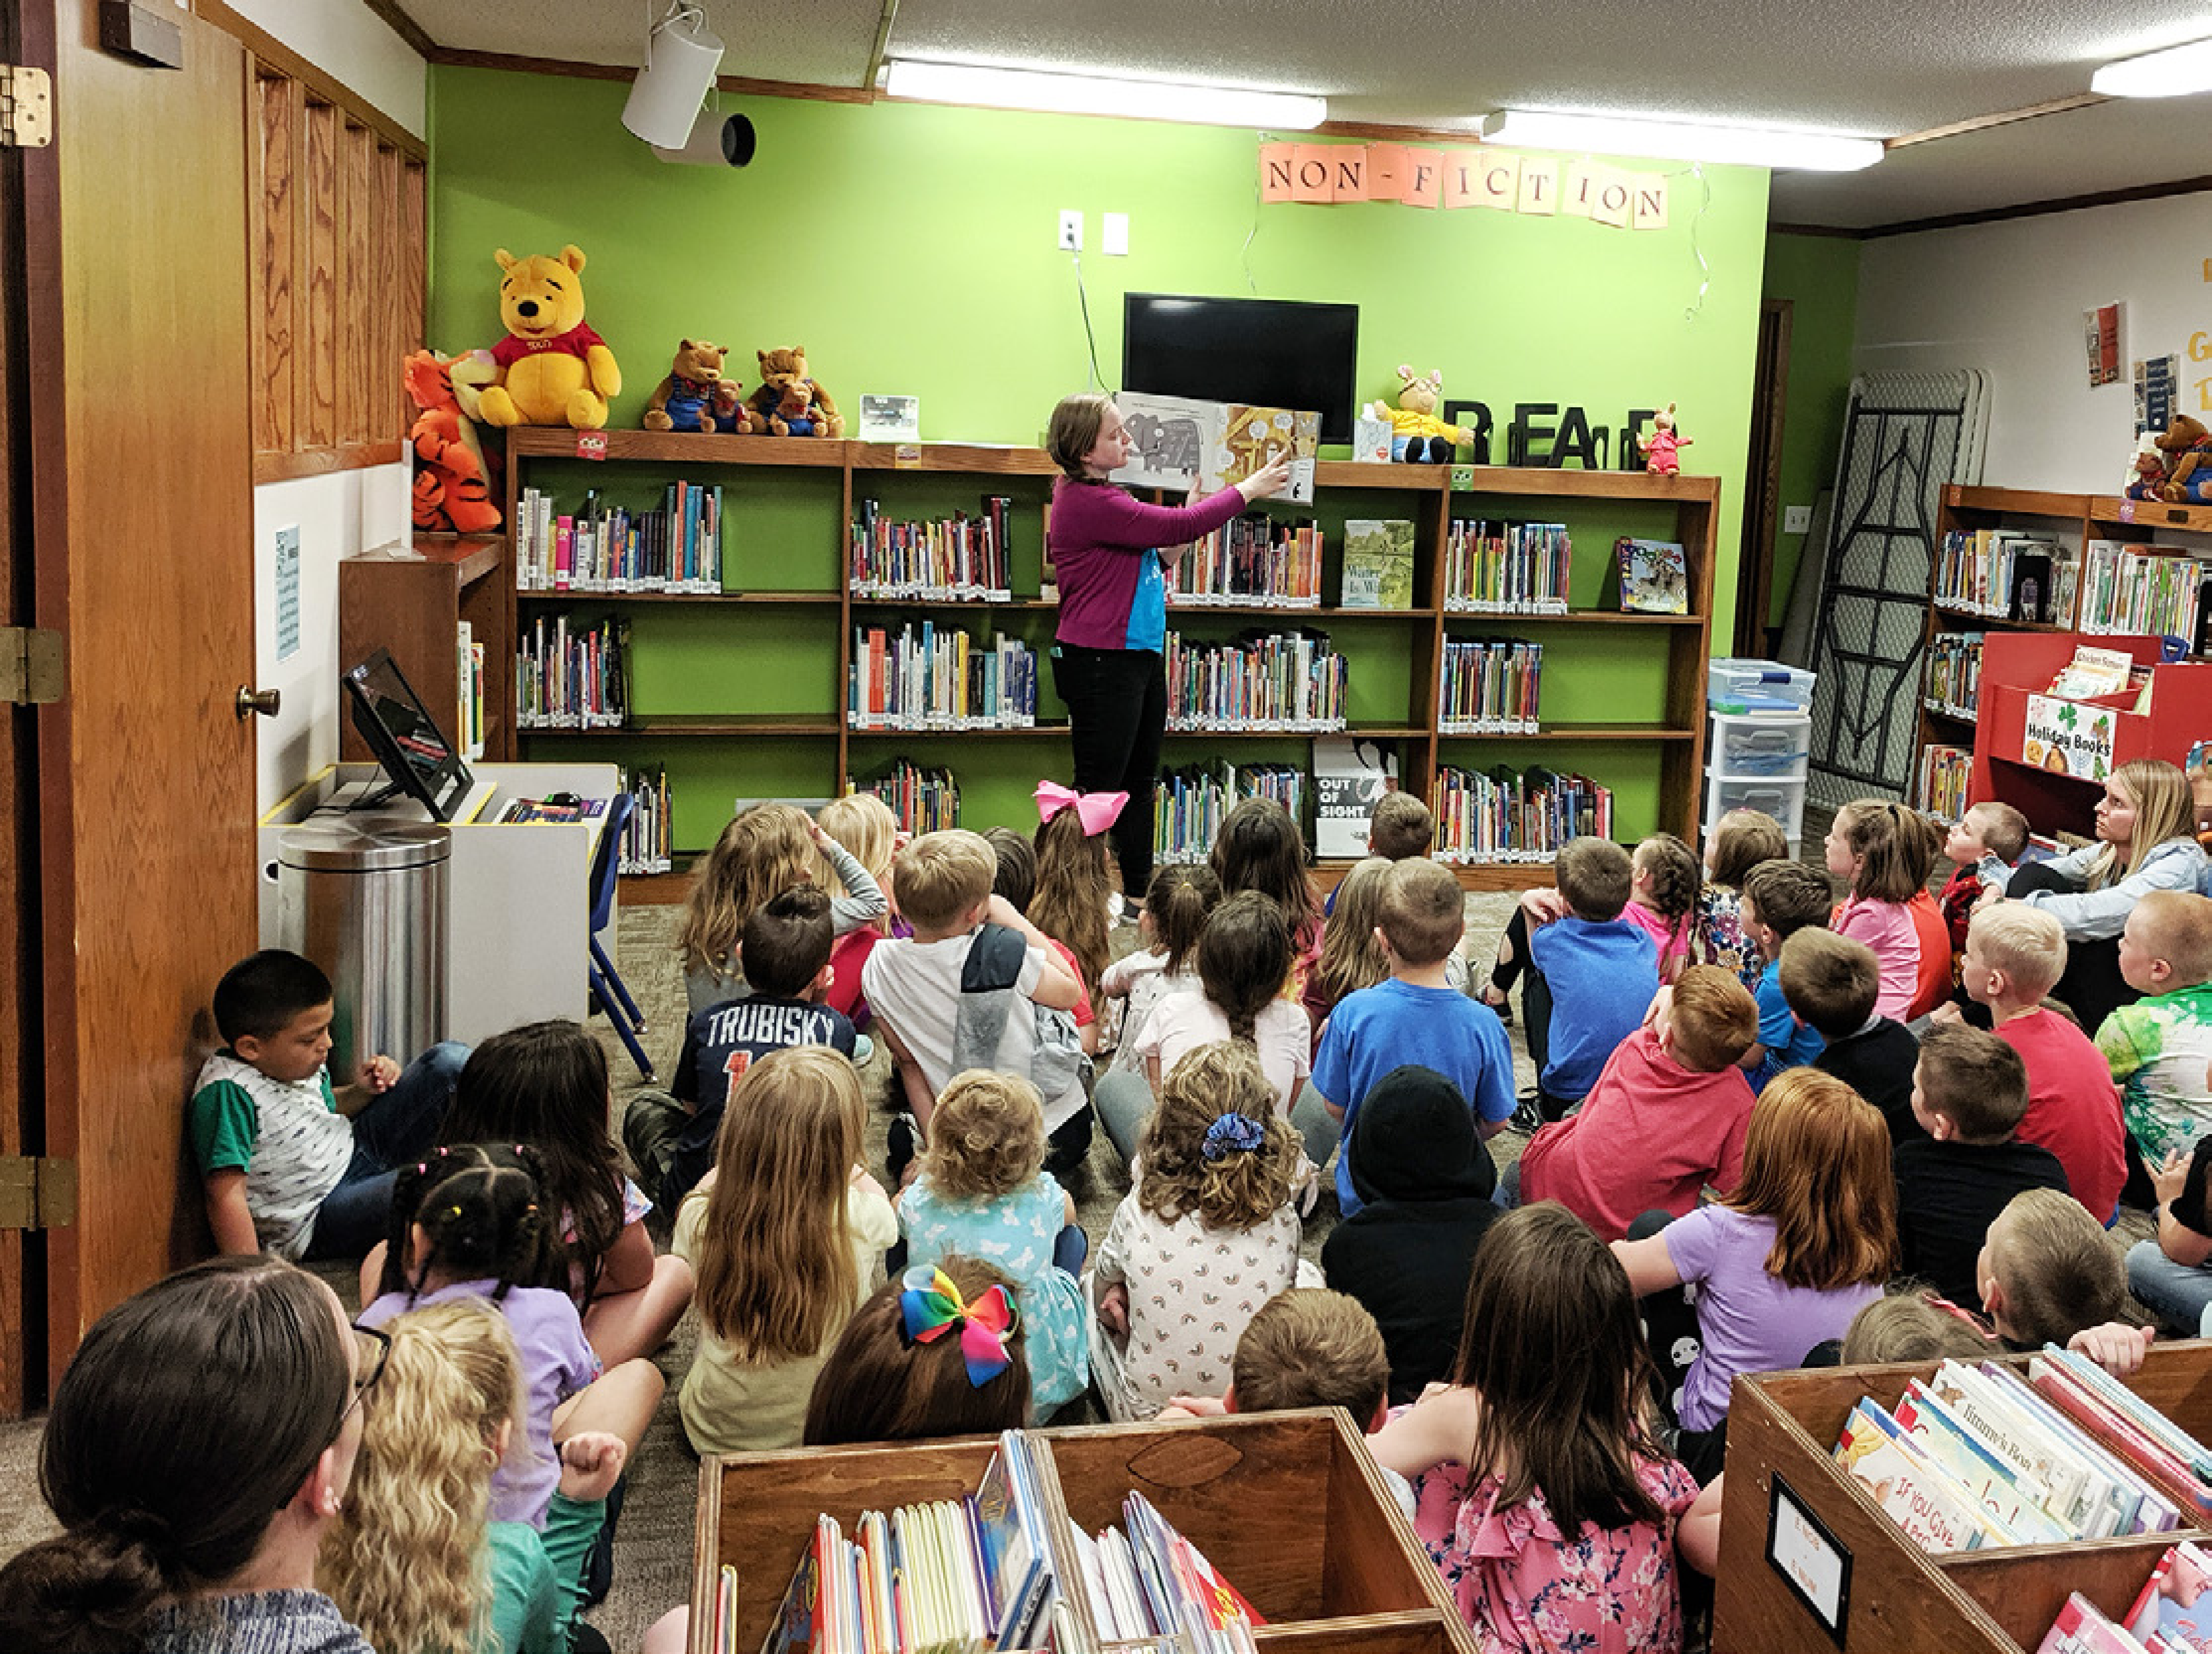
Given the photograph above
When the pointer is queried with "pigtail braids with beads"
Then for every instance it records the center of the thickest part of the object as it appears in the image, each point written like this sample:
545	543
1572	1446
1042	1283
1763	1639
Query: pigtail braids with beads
481	1216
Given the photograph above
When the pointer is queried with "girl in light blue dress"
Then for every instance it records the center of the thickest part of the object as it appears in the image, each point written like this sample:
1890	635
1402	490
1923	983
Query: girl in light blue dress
982	1193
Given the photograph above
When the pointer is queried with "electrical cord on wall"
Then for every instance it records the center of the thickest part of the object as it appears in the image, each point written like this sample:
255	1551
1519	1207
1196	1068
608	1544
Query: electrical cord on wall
1090	338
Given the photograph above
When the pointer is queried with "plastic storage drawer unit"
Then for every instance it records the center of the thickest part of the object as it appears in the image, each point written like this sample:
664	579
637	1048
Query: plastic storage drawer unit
1753	745
1782	799
1744	685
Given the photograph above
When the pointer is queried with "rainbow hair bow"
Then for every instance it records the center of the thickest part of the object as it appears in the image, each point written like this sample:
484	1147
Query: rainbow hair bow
932	1305
1098	810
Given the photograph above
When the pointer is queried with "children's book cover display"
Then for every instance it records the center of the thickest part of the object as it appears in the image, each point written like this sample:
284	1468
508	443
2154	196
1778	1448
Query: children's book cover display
1655	577
1378	564
1216	444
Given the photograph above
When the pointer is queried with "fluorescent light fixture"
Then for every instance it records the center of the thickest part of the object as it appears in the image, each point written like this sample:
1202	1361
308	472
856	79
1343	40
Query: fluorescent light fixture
2169	74
1682	140
1089	94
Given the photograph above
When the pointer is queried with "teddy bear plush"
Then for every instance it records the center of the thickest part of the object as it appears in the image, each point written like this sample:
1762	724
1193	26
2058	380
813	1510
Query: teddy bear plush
1662	449
795	414
452	481
2145	477
780	371
2187	447
1417	435
693	396
553	369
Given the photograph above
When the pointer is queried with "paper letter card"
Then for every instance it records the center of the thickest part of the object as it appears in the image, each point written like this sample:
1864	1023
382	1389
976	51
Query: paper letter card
1218	443
1816	1568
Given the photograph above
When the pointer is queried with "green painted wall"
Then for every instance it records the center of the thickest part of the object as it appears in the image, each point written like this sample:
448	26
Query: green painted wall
910	249
1820	276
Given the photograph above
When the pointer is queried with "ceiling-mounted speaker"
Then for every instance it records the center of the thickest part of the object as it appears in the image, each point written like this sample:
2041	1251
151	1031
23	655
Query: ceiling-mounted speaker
715	141
680	61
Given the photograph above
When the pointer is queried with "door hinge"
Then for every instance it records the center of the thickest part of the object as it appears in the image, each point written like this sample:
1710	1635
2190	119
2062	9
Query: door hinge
30	665
27	107
37	1193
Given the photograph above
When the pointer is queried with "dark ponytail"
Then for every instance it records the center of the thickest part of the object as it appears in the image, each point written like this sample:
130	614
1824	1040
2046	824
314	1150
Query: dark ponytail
1182	897
1244	958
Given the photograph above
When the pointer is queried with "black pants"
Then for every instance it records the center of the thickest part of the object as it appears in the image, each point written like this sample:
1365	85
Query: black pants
1117	714
2091	986
1535	993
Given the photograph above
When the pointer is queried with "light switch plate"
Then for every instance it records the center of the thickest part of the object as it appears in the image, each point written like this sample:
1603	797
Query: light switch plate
1114	234
1797	520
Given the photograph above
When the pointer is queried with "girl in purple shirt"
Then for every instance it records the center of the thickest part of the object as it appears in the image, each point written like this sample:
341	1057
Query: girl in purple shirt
1108	663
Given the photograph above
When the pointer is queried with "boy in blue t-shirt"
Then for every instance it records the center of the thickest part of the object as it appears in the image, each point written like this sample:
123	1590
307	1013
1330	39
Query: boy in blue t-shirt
1415	1017
1602	971
1780	898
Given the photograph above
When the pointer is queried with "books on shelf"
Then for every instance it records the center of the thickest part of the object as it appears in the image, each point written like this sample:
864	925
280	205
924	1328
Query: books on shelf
1954	683
1507	568
1194	799
1378	564
1292	681
573	679
2004	574
929	677
924	799
469	712
1252	561
675	547
1654	576
1946	777
957	559
2092	673
2139	590
1489	686
1501	815
648	837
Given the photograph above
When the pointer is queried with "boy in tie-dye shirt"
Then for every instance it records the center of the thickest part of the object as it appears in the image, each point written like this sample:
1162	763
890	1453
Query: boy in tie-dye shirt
2161	1047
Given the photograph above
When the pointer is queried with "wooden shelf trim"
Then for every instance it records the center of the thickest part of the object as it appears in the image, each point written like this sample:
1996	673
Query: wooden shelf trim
2113	511
1575	732
796	599
691	725
2015	502
1573	618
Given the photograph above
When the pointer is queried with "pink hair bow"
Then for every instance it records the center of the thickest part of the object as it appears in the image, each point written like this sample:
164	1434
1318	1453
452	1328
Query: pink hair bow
1098	810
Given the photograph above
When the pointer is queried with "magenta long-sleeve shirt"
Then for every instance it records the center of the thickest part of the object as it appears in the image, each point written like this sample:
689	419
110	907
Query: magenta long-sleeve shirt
1112	595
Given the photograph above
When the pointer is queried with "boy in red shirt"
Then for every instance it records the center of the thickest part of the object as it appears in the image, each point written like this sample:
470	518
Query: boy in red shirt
1665	1119
2015	955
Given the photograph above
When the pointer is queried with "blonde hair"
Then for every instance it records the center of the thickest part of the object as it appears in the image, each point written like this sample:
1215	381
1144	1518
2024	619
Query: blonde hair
1905	1327
2024	941
1816	1160
2057	1268
865	825
1742	839
944	874
2004	829
1351	958
2165	809
1240	1190
764	851
405	1560
777	1274
2177	927
1309	1347
1712	1018
986	1136
1074	882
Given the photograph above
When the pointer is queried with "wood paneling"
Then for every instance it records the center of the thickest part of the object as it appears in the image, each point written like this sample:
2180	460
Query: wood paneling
388	397
414	257
276	254
353	283
318	299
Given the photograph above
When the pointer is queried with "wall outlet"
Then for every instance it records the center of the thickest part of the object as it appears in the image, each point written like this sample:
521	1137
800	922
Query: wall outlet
1797	520
1071	231
1114	234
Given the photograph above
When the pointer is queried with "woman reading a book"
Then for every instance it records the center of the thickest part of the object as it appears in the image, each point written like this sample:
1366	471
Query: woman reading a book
1109	660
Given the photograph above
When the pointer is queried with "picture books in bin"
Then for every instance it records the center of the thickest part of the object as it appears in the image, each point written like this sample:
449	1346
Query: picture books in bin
1178	439
1378	564
1655	576
2172	1614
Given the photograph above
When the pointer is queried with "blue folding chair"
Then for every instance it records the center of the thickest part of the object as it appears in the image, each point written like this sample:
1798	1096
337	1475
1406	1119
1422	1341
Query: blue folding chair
608	991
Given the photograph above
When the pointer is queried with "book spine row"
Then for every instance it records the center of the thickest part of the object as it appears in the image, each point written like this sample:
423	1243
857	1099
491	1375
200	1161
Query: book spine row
1489	686
1252	560
469	713
925	678
1945	773
1954	674
567	680
1502	816
2130	591
675	547
1193	800
957	559
926	799
1507	568
2003	576
1294	682
648	840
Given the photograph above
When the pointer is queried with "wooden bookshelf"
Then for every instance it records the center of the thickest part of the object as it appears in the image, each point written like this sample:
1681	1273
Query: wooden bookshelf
412	603
1288	1506
1782	1429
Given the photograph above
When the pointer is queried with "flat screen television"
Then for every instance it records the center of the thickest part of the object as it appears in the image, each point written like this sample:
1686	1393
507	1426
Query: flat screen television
417	759
1272	353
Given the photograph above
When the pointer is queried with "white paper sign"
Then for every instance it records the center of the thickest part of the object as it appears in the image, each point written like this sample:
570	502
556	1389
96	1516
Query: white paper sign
890	419
2068	737
1808	1557
288	592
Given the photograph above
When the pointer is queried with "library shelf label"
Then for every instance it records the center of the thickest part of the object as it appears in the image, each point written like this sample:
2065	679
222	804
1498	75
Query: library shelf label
2067	738
1810	1560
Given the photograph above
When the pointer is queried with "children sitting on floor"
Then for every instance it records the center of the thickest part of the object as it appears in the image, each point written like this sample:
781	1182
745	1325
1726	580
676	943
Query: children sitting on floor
290	1164
2015	955
1830	982
2160	1049
1969	1092
2173	1273
1734	844
1662	899
2048	1275
1881	850
1982	848
766	849
1780	898
1665	1120
1413	1017
1600	969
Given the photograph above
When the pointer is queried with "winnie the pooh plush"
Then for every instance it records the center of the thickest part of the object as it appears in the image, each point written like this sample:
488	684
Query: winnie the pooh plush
2187	447
453	482
779	371
695	397
1417	435
554	370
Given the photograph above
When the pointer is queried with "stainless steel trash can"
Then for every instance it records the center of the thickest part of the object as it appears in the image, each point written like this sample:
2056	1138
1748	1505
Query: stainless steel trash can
367	900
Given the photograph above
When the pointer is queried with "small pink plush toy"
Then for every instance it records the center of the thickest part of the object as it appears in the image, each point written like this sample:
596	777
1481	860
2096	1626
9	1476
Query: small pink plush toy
1659	449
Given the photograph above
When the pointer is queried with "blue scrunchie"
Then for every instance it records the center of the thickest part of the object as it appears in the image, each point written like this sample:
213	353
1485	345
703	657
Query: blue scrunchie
1233	1134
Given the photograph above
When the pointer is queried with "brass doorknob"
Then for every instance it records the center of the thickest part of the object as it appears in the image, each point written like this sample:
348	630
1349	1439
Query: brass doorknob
251	700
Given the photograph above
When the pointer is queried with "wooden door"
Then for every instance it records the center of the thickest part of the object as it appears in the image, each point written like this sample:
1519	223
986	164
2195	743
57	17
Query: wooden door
141	529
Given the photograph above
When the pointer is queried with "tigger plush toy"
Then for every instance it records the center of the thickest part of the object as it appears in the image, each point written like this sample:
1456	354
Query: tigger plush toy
452	482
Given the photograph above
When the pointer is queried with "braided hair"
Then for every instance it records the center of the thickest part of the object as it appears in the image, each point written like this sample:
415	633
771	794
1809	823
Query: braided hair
481	1216
1244	959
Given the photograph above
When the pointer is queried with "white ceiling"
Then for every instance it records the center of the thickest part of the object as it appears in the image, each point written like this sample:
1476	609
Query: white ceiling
1876	67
